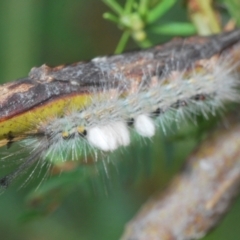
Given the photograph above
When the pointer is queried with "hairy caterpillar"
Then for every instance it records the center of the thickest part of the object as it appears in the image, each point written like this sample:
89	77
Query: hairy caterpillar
133	94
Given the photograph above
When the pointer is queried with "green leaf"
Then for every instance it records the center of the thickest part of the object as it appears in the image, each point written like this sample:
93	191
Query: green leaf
123	41
111	17
114	6
182	29
143	8
159	10
128	6
233	8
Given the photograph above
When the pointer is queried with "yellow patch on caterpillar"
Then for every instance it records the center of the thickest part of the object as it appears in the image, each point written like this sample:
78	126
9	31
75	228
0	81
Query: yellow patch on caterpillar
81	130
29	120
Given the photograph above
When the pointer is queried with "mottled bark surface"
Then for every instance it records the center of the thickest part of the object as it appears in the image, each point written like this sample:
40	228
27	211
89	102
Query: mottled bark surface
46	84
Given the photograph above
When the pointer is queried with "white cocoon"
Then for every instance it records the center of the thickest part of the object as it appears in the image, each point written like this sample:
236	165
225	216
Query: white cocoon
109	137
144	125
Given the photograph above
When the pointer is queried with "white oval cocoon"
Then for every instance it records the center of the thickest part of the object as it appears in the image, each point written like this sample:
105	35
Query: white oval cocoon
123	136
144	125
109	137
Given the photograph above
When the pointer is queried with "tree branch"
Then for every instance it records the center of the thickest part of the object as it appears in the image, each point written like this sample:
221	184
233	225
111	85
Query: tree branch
46	83
199	196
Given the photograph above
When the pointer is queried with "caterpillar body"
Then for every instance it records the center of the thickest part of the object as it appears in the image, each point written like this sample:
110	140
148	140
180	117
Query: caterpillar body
128	93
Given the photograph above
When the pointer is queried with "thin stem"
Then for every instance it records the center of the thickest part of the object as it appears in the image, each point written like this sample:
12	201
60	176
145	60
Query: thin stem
123	41
114	6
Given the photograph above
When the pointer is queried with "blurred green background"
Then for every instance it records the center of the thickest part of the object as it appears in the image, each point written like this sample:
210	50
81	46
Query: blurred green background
93	203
